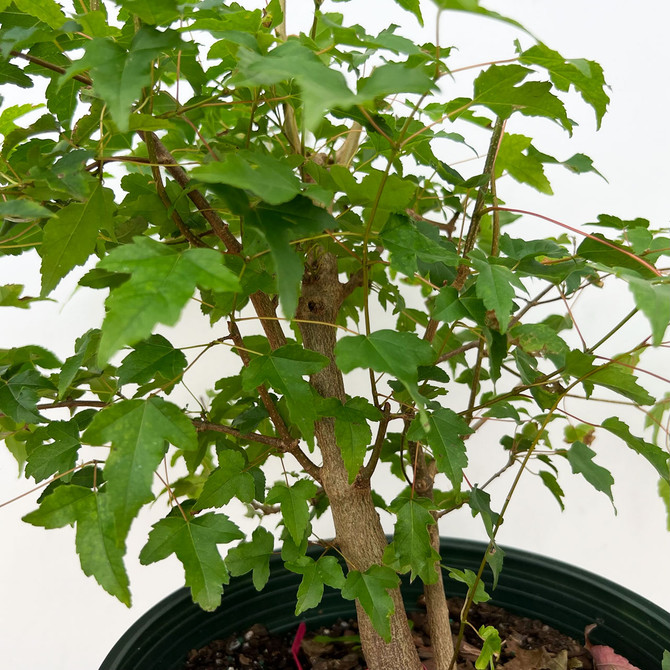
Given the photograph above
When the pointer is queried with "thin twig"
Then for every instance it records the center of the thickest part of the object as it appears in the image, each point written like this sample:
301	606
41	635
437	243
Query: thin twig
489	167
367	470
51	66
276	442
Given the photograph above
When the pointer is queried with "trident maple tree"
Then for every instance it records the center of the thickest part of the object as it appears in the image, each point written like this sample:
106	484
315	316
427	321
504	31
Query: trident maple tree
298	188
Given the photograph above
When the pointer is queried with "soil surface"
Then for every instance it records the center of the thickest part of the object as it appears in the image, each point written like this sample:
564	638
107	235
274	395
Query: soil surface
527	645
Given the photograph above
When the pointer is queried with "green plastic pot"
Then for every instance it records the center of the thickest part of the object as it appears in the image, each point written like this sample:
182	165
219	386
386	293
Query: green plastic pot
561	596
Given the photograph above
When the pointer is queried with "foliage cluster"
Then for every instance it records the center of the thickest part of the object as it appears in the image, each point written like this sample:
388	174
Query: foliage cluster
193	151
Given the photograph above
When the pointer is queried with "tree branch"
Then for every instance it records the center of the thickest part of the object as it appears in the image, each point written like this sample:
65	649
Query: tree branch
51	66
287	443
149	139
167	160
368	469
479	209
261	302
276	442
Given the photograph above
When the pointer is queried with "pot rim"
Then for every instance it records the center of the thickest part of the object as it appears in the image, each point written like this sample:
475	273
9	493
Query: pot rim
540	587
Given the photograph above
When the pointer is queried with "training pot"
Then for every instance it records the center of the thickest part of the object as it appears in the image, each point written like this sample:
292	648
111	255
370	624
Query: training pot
561	596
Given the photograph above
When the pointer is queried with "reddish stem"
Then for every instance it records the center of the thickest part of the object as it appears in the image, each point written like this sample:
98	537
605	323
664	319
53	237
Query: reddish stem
578	232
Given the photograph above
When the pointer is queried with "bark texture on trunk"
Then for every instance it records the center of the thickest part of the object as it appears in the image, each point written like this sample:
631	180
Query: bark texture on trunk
358	529
437	609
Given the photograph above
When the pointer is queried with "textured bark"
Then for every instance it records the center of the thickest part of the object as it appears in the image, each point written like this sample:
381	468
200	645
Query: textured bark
437	609
358	529
438	614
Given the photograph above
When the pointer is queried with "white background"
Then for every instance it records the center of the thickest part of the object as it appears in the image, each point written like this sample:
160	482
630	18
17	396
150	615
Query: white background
42	589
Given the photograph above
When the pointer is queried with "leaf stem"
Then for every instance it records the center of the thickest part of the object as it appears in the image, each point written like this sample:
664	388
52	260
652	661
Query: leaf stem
612	332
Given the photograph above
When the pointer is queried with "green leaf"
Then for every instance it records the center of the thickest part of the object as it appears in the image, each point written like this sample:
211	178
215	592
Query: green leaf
495	286
281	225
118	75
654	454
537	339
480	503
377	189
448	307
444	437
408	244
59	456
550	481
24	209
610	253
152	12
615	376
70	237
8	117
470	578
154	358
473	7
293	501
325	570
269	178
371	588
99	554
412	6
194	541
581	461
398	354
283	370
32	356
44	10
10	296
490	649
392	78
585	75
321	88
231	479
19	395
85	348
252	556
521	166
499	89
664	493
11	74
494	557
653	300
665	664
411	539
611	221
139	431
162	281
353	433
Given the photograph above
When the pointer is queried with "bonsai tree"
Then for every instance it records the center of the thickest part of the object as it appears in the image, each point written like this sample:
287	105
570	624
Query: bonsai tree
299	188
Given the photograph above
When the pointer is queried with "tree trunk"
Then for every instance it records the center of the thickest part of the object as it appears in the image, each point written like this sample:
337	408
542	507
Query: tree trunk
441	641
358	529
437	609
